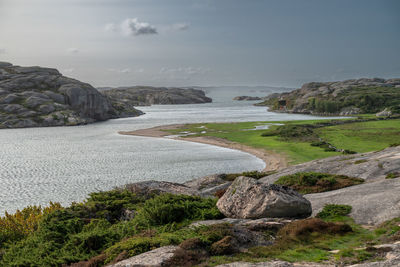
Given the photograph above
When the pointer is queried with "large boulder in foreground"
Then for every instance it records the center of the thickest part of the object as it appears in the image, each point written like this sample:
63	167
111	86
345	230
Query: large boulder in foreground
247	198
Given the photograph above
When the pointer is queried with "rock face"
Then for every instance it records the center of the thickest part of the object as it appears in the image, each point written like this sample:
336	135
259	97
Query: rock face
154	258
246	98
338	98
126	97
248	199
36	96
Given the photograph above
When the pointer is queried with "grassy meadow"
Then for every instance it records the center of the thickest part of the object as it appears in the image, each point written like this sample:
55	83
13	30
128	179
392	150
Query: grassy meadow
355	136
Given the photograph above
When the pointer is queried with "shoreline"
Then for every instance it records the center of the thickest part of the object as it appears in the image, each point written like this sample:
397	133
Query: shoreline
273	161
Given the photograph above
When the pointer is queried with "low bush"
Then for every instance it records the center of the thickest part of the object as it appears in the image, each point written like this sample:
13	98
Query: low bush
392	175
314	182
167	208
331	211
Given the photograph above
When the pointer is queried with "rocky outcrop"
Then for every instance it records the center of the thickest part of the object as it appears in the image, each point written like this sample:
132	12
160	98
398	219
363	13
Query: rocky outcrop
36	96
126	97
378	196
248	199
148	188
371	166
348	97
154	258
246	98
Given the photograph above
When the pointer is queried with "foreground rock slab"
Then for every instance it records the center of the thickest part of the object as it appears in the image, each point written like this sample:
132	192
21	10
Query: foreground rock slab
370	166
372	203
247	198
273	264
154	258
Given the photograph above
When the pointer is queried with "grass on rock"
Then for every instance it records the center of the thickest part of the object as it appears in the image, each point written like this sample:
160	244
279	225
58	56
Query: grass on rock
314	182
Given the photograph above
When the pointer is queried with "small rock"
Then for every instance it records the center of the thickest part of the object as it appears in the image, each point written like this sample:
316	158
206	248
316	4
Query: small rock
247	198
147	188
154	258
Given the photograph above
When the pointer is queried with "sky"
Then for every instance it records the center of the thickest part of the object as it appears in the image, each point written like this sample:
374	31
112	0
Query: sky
204	42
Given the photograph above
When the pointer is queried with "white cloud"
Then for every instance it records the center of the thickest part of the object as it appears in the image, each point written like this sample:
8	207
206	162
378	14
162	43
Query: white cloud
2	51
73	50
180	26
133	27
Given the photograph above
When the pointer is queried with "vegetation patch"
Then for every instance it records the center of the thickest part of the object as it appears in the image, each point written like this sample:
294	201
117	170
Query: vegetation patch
393	175
252	174
334	211
314	182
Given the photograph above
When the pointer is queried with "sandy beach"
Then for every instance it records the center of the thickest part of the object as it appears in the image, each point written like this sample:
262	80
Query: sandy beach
273	161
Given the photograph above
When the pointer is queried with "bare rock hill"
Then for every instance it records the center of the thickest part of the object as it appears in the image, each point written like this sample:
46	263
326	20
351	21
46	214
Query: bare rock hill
36	96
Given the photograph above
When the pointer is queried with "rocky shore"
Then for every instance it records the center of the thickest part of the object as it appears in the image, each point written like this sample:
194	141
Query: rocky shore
348	97
37	97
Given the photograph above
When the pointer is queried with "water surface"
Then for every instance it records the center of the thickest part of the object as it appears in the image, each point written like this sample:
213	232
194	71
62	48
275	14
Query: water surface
64	164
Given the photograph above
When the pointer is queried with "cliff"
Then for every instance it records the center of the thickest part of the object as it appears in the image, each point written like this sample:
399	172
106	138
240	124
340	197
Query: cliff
339	98
36	96
145	96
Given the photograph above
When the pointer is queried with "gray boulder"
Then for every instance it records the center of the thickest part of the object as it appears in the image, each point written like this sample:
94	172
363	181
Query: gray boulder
154	258
249	199
147	188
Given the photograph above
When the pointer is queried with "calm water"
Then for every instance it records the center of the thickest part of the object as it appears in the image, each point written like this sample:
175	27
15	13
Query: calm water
64	164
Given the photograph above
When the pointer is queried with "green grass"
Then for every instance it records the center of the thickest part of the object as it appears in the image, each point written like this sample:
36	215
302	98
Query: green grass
362	136
358	136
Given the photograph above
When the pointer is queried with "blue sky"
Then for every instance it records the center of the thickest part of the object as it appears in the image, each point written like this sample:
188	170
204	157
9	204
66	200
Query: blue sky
204	42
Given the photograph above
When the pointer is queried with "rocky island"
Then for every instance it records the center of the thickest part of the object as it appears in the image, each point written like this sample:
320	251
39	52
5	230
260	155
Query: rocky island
246	98
340	98
126	97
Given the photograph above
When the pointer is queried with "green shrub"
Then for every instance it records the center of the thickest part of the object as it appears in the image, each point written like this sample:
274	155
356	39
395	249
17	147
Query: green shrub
167	208
393	175
334	210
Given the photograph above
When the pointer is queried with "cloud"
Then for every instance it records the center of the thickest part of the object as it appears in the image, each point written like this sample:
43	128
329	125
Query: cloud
133	27
2	51
73	50
180	26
